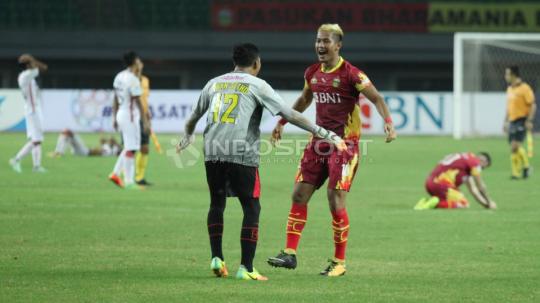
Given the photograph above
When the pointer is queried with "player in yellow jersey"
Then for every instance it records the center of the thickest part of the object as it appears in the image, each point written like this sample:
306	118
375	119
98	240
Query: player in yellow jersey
521	108
141	161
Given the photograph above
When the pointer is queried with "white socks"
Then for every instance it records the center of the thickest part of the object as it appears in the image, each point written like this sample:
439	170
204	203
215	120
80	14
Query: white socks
61	144
129	169
36	155
24	151
119	166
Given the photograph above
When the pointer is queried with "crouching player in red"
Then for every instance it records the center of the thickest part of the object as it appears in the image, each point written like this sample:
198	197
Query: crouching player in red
444	181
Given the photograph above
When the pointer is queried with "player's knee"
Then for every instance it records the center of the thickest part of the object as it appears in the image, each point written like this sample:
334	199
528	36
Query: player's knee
36	143
144	149
299	197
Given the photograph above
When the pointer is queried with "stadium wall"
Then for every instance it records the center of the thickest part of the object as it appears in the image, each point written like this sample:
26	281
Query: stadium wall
424	113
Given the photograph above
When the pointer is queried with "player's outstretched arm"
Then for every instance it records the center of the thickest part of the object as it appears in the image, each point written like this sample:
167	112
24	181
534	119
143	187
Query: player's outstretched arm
301	104
478	189
375	97
198	111
299	120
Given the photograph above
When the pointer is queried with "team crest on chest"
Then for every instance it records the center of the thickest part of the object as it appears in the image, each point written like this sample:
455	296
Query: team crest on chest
313	80
336	82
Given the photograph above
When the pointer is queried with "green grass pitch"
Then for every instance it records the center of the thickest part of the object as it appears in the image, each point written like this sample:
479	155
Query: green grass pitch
70	236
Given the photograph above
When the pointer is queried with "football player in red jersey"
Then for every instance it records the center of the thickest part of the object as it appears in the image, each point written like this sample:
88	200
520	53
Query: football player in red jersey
335	85
444	181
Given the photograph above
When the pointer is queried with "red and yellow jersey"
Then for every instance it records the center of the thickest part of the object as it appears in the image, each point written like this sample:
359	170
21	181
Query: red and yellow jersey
335	93
520	97
145	86
455	168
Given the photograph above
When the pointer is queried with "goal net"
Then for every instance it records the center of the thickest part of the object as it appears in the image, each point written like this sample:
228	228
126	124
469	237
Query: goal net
480	60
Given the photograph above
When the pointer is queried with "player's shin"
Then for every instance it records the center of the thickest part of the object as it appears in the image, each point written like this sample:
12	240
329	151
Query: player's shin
24	151
215	224
250	231
295	224
141	163
516	162
129	167
340	225
119	166
523	156
36	155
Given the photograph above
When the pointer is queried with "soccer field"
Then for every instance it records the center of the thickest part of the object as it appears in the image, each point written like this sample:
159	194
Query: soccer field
71	236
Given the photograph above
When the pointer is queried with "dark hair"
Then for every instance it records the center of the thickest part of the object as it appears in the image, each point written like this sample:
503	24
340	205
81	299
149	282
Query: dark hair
129	58
487	156
514	69
245	54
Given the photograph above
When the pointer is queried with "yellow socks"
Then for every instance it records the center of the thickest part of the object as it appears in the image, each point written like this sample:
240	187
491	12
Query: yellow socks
141	163
516	164
524	157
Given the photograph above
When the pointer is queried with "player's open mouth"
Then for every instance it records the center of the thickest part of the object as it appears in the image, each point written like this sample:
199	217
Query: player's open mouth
322	52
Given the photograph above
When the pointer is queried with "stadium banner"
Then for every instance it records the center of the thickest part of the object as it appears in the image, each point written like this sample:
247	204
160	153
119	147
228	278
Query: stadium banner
307	15
414	113
484	17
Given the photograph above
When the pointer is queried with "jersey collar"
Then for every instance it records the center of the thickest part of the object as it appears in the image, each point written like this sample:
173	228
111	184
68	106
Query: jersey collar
340	62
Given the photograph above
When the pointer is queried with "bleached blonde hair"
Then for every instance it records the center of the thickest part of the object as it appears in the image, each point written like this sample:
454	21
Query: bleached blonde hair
332	28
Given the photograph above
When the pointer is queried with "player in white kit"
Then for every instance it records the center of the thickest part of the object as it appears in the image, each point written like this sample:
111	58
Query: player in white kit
33	112
126	118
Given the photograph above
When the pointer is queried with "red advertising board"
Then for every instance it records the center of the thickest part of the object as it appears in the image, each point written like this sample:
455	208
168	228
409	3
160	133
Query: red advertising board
305	15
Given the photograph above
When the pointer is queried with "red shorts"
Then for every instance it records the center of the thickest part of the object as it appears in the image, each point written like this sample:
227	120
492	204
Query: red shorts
322	160
438	190
449	195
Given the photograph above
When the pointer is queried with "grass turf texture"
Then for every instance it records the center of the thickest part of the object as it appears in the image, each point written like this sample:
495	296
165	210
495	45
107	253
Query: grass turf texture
71	236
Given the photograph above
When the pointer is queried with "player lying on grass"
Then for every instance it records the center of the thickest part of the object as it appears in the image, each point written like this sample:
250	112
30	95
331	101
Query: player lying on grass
235	103
107	147
444	181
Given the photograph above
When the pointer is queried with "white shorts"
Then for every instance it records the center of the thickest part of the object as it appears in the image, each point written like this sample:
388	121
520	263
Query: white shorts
34	127
131	132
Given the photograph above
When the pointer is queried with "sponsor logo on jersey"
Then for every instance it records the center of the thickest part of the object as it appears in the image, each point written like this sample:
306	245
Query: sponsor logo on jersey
336	82
328	98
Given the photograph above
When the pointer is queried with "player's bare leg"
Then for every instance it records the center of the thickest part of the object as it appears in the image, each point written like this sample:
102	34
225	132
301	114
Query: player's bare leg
340	225
297	220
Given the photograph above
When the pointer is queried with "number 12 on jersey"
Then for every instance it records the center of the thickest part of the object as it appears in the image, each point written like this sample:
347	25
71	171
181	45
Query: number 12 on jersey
222	107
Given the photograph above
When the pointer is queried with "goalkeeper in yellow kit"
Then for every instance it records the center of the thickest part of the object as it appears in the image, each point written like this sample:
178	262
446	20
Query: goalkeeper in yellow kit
521	108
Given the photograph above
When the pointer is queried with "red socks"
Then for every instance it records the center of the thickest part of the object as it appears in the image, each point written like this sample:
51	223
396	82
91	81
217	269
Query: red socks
295	225
340	225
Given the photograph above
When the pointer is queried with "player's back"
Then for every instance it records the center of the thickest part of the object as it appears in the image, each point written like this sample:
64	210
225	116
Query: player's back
235	105
126	86
454	168
30	89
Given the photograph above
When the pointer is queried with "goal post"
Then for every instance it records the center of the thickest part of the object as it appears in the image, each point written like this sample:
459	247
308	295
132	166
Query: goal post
479	63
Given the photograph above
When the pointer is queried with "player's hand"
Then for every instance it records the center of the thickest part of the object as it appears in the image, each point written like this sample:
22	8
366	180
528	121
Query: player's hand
115	125
276	134
390	132
505	127
331	137
184	143
529	125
